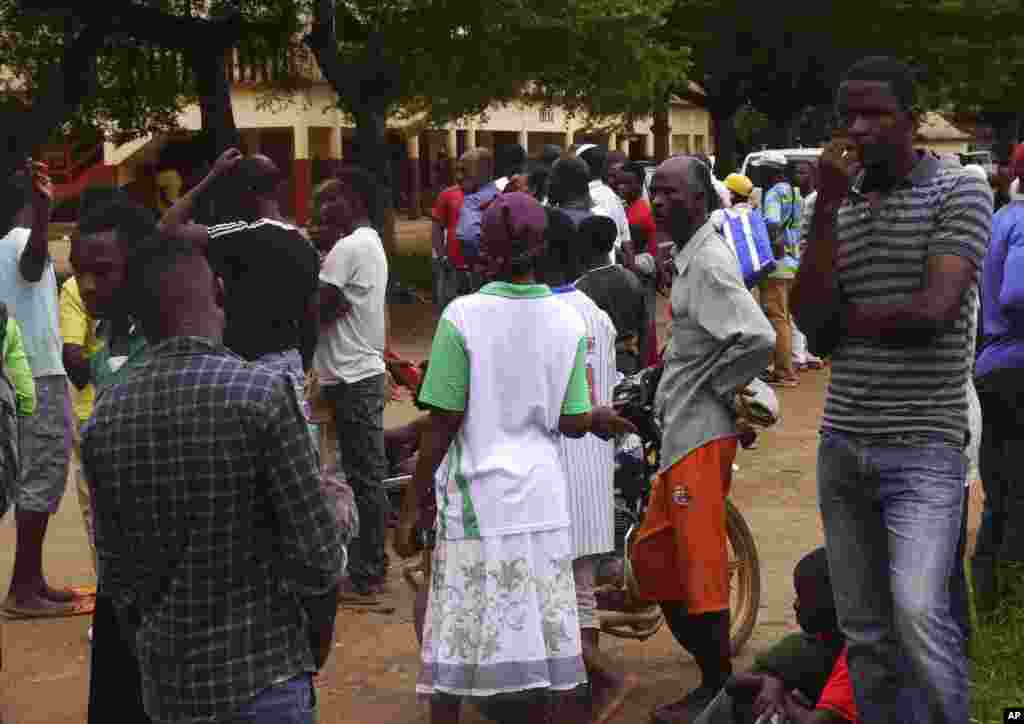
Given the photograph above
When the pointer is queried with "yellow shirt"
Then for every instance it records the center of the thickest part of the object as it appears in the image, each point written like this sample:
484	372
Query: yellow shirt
168	189
77	327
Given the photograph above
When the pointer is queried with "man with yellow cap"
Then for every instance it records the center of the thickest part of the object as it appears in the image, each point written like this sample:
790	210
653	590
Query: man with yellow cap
740	187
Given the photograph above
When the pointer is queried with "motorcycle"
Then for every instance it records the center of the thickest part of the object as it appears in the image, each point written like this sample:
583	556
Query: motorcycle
621	610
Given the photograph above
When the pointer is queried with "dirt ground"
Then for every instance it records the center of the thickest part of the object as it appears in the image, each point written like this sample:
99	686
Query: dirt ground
371	676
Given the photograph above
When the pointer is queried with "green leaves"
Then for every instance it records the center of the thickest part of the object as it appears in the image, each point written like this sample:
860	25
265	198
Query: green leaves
143	79
452	58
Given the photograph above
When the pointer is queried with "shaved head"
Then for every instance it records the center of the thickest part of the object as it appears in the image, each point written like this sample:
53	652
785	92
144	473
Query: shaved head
249	190
174	289
682	196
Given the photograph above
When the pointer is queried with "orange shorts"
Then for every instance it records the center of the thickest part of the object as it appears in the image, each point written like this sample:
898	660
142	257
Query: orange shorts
679	552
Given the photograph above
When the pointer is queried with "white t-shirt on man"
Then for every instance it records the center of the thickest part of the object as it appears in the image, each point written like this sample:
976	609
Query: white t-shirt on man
33	305
607	199
352	349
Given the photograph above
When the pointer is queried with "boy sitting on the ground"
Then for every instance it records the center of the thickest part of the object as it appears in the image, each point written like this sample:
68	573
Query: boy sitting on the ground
804	667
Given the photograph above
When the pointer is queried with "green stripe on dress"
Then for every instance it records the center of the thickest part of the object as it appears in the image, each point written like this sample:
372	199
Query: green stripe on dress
470	523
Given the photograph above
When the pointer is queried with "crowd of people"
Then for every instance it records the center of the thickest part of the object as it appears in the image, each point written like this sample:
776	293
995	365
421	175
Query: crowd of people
173	378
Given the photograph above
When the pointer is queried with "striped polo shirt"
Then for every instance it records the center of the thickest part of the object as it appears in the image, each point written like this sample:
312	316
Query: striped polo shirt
884	388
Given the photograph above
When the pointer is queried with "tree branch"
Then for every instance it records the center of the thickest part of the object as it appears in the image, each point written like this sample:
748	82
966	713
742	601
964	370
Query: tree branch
691	96
66	87
322	40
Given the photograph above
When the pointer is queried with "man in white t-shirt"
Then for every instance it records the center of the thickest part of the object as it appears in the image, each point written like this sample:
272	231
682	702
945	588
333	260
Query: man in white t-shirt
28	285
350	363
597	159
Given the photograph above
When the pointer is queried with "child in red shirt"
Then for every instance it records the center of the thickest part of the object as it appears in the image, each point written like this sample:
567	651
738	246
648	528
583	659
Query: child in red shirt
802	668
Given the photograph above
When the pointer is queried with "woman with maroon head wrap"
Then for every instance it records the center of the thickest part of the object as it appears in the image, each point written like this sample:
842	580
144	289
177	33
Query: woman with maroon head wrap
506	378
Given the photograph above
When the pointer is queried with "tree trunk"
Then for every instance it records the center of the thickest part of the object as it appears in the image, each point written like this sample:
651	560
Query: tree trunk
781	127
370	101
662	132
370	150
723	126
218	119
1005	133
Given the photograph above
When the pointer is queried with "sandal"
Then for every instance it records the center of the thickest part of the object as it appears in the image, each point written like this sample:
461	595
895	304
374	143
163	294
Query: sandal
779	381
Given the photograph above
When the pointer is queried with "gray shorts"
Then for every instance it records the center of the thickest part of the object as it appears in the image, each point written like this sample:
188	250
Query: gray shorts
44	452
584	571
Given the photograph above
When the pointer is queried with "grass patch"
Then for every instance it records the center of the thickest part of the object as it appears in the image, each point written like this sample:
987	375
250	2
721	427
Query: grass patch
997	662
412	270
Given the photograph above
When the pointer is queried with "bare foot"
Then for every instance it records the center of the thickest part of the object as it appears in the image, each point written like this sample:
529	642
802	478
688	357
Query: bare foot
612	698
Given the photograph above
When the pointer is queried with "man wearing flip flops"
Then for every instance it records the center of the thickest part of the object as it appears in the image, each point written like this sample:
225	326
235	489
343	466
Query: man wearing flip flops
28	285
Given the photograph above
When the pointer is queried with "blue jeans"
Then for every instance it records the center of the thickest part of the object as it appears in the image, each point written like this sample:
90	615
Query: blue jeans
292	702
892	517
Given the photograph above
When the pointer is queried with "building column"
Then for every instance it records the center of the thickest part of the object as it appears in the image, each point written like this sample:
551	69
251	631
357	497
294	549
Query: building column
412	147
335	150
524	140
649	145
470	135
453	144
624	143
570	131
613	138
302	173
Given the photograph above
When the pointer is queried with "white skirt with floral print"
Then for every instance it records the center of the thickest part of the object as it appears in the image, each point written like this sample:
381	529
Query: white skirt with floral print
502	617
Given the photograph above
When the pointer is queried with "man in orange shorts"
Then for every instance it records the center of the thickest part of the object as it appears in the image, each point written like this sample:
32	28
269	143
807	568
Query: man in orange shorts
720	341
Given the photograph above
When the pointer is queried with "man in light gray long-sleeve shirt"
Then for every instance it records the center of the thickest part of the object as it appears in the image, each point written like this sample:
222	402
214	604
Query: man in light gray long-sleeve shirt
720	341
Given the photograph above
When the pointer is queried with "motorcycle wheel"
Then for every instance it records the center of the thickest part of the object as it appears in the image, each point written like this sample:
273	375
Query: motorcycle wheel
744	588
744	578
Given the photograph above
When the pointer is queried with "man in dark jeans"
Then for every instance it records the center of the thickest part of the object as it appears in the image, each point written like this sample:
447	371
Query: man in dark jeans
350	363
216	543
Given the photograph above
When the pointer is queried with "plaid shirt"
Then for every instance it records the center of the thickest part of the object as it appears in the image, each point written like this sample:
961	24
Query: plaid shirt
211	526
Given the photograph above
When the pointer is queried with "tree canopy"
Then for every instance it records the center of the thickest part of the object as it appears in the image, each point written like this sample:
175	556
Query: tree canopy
123	68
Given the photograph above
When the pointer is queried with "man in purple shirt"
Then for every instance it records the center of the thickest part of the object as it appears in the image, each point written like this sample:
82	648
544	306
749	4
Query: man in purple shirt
1000	382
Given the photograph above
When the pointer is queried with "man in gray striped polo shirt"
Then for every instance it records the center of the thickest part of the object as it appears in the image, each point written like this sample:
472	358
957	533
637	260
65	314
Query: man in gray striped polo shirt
884	287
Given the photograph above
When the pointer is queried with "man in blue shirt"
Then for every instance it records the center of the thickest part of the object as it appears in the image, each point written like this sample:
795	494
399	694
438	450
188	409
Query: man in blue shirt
1000	382
781	210
480	189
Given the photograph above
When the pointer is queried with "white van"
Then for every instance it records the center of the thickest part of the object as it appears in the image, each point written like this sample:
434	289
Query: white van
792	156
751	164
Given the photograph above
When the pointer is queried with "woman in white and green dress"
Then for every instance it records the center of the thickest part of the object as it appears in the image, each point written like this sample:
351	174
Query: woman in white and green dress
506	379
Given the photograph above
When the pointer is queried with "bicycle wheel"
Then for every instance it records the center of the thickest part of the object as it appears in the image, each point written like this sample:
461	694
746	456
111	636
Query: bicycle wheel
744	578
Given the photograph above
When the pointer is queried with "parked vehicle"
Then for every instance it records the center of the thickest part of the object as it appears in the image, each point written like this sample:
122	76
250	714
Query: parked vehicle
792	156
